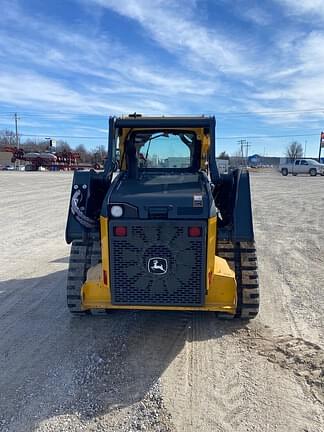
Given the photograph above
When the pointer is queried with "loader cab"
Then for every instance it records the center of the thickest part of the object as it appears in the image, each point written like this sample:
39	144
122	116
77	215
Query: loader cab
157	211
163	167
165	144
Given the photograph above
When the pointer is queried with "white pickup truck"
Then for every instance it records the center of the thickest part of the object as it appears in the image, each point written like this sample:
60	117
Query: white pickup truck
301	166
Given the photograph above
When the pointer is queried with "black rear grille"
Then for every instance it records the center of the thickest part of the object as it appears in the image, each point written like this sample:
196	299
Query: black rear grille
132	260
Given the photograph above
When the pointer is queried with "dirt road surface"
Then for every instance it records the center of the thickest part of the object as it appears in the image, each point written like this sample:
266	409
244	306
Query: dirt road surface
155	371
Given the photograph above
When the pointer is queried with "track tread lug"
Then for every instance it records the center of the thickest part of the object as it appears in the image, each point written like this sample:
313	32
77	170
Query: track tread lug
83	255
245	267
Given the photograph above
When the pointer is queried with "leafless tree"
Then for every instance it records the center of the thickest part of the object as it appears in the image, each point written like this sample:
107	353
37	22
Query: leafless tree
7	138
294	150
84	154
223	155
62	145
236	159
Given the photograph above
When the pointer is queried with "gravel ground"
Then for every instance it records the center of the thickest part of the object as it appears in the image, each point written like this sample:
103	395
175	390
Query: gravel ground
155	371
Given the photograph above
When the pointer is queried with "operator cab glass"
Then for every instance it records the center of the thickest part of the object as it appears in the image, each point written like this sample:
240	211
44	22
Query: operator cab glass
159	150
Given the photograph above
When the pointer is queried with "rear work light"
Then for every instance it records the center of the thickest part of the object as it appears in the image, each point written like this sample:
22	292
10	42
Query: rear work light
116	211
120	231
194	232
105	278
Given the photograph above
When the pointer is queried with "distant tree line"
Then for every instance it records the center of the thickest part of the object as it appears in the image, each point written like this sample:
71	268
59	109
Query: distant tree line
293	151
8	138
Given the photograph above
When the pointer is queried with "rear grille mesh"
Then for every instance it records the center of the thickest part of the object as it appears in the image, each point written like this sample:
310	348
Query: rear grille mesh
184	282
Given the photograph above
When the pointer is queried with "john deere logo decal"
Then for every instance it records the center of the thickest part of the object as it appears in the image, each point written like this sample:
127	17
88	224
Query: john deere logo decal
157	265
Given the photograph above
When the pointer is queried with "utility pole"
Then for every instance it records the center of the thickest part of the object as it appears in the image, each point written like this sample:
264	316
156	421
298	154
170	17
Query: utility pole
305	148
242	143
320	146
16	124
247	145
17	137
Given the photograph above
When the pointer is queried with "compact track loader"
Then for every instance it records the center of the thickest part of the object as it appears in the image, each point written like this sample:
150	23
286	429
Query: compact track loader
160	228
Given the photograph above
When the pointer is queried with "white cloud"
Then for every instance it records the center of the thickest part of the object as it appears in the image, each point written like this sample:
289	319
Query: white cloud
32	89
109	78
58	69
308	7
311	52
305	83
283	79
112	78
173	27
286	72
256	14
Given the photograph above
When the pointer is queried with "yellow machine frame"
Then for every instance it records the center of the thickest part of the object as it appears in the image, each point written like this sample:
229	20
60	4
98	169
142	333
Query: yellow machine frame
220	280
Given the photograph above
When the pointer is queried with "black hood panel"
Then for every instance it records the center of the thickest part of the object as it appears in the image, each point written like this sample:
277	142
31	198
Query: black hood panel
178	195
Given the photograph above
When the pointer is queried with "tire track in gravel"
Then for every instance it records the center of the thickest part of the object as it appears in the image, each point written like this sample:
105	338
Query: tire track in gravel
231	378
152	341
297	355
284	403
226	393
200	380
289	239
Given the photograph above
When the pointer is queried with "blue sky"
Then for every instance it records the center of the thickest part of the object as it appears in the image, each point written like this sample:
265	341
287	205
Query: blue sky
67	65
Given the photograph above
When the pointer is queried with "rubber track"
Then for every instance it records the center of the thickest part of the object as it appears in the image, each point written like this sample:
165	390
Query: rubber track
83	255
242	258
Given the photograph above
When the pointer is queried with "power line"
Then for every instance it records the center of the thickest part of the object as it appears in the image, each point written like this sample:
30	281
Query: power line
54	115
222	113
234	137
267	136
272	112
63	136
218	137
